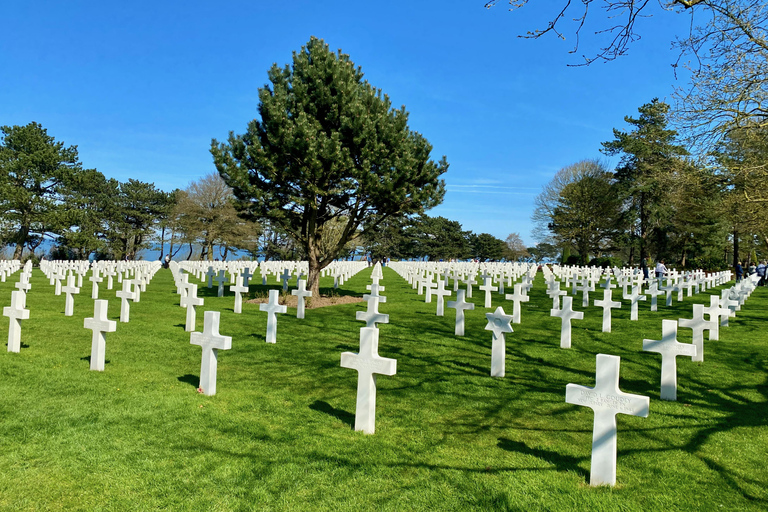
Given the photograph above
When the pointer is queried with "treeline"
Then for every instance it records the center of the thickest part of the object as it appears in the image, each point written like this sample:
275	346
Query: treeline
660	202
46	194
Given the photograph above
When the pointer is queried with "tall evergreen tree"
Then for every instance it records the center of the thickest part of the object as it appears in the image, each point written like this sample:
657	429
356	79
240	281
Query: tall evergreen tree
34	170
649	158
327	146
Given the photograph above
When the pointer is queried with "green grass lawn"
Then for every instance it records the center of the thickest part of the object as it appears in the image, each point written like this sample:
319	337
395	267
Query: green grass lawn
278	434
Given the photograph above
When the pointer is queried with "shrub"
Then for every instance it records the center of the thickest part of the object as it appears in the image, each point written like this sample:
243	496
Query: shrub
606	261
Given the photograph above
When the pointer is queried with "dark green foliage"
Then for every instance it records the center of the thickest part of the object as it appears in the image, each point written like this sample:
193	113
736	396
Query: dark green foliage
606	262
34	170
327	146
437	238
487	247
649	158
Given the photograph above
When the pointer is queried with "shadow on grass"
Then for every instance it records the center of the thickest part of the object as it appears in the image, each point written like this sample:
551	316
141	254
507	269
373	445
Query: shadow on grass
88	358
193	380
563	463
339	414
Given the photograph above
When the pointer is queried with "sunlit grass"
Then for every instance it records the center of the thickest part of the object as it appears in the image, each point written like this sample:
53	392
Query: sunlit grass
278	434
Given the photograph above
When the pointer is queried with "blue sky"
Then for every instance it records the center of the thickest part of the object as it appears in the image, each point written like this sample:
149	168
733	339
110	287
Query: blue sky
142	87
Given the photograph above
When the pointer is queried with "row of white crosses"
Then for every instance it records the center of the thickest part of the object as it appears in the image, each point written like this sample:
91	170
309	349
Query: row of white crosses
367	361
605	398
17	311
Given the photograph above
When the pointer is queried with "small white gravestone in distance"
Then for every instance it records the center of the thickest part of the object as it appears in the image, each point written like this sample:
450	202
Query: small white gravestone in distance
272	307
239	289
95	279
100	325
607	304
221	278
210	274
499	323
566	314
460	305
247	276
714	311
124	295
487	287
699	325
190	300
669	348
70	290
212	342
367	363
606	400
300	294
16	313
516	298
441	293
633	298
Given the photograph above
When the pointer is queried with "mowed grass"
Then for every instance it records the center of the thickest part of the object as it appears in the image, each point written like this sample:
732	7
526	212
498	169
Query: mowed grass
278	435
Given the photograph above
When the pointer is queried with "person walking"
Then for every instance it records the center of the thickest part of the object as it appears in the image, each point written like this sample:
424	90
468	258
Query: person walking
739	271
661	269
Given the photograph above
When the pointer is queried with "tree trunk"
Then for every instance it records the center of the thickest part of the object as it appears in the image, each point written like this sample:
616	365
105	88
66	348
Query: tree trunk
21	240
735	246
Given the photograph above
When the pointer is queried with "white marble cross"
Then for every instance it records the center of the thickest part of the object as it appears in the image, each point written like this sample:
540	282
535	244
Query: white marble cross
210	274
584	287
441	293
698	325
95	279
469	281
669	348
272	307
189	300
372	315
239	289
566	314
607	304
221	278
16	313
554	292
285	276
70	289
487	287
606	400
212	342
368	363
125	294
23	283
516	298
429	287
460	305
301	293
715	311
246	276
633	298
654	292
100	325
499	323
375	288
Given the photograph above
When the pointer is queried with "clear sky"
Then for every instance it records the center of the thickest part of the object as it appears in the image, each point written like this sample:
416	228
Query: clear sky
142	87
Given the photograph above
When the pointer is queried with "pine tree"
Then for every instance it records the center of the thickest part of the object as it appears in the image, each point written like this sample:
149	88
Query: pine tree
327	146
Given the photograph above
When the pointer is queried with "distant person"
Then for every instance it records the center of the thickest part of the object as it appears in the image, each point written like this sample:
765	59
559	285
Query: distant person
645	269
661	269
752	269
739	271
167	260
761	267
